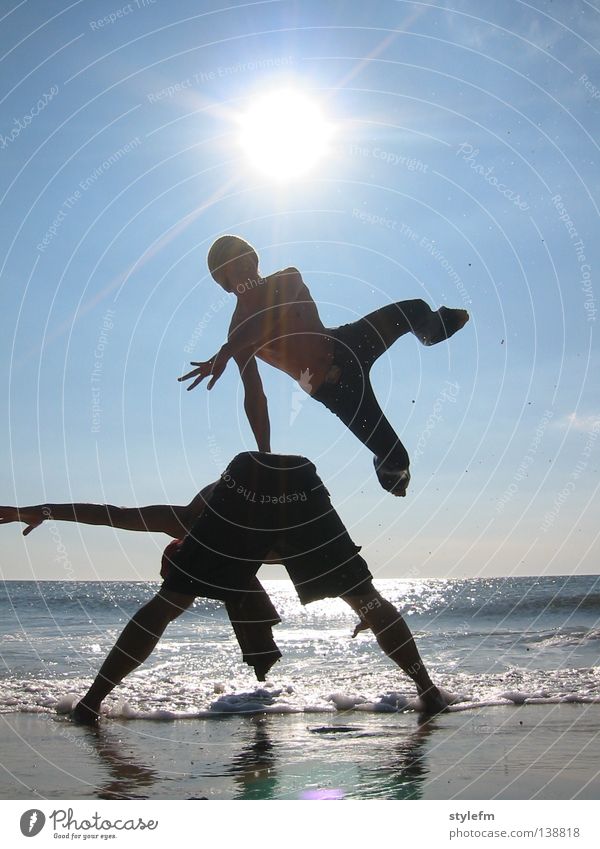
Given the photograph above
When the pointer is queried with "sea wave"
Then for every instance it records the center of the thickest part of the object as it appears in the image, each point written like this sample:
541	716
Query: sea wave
163	698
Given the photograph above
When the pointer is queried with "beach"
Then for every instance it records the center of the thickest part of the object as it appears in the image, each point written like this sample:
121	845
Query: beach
518	752
519	655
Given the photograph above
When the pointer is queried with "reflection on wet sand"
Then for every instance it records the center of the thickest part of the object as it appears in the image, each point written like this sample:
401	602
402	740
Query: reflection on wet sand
389	763
128	779
402	775
254	767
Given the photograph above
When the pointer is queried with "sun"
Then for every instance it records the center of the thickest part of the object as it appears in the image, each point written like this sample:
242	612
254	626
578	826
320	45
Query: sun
284	134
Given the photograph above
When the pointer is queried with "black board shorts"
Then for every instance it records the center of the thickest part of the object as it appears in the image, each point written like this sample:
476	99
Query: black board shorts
268	503
351	397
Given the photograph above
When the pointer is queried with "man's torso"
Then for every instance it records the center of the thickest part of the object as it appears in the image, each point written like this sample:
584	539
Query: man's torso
294	338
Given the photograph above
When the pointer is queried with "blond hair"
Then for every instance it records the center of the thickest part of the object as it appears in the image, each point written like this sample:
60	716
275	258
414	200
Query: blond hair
226	248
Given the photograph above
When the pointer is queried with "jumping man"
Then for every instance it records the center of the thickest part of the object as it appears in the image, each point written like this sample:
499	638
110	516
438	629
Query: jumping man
276	320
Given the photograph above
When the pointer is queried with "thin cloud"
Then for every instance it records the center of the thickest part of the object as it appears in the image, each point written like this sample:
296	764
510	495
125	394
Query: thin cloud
576	421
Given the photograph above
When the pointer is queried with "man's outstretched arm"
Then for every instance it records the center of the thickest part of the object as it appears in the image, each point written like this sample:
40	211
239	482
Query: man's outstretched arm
255	401
217	364
159	518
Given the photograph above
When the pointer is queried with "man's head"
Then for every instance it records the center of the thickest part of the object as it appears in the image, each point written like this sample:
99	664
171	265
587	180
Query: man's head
231	261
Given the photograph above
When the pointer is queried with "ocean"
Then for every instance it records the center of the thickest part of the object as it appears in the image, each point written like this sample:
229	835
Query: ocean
488	641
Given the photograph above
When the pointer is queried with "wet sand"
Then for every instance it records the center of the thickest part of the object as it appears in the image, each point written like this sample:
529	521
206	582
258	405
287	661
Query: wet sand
505	752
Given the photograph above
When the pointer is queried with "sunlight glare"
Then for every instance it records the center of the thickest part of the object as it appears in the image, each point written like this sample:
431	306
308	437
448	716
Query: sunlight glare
284	135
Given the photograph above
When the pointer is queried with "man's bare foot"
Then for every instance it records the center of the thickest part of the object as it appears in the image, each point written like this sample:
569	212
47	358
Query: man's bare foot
434	701
82	714
392	479
441	325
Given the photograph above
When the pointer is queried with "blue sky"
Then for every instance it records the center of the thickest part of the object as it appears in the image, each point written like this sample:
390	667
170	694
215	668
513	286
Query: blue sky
463	170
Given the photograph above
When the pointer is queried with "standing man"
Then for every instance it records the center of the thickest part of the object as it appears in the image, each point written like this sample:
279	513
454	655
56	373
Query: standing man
264	503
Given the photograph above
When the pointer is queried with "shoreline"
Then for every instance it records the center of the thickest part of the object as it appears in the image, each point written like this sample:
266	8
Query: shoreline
501	752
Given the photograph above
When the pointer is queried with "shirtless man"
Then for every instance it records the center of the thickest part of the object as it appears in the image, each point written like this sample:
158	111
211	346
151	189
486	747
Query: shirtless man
251	612
277	320
262	503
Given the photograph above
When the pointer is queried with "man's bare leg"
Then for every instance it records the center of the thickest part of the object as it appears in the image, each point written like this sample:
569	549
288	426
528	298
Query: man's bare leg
136	642
389	323
395	638
382	328
350	396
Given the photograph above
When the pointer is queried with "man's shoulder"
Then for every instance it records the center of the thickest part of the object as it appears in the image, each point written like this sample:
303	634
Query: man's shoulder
290	273
287	282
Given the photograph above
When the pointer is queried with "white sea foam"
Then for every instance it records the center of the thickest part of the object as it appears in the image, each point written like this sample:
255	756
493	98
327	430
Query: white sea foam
275	702
166	702
66	703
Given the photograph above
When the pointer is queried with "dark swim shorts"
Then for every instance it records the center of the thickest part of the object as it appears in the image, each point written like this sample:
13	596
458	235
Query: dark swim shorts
268	503
350	395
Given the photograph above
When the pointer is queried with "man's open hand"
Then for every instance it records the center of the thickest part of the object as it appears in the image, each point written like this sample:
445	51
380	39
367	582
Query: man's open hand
213	368
31	516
